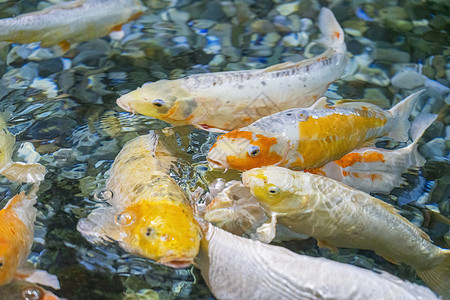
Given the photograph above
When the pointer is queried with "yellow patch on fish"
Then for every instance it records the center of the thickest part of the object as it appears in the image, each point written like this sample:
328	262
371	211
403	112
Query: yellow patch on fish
154	228
317	146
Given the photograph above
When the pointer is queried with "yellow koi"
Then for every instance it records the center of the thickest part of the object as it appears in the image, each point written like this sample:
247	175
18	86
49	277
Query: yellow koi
230	100
304	138
149	214
19	171
70	22
239	268
375	170
339	216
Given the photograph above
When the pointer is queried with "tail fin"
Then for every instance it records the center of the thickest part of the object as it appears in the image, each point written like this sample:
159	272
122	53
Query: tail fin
418	127
30	173
420	124
400	115
437	278
332	33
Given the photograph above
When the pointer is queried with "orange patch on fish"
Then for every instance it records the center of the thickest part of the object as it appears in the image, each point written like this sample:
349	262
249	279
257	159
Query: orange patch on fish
317	171
246	162
330	137
14	239
352	158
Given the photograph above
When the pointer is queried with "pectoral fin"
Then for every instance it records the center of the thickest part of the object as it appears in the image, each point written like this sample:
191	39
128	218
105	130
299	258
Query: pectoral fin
388	258
325	244
39	277
30	173
267	231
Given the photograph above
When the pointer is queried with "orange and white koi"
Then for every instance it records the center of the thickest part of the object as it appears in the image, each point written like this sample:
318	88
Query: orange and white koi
230	100
339	216
375	170
239	268
149	214
304	138
31	173
70	22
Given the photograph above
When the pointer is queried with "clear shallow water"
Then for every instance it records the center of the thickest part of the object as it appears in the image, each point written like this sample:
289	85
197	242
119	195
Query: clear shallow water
65	108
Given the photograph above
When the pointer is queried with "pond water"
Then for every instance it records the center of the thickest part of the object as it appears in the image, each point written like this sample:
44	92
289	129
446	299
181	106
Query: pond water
62	110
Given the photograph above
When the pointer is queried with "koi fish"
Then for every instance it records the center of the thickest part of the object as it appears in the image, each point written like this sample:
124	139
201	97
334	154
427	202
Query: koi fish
149	214
70	22
231	206
228	100
375	170
339	216
305	138
24	290
16	234
239	268
19	171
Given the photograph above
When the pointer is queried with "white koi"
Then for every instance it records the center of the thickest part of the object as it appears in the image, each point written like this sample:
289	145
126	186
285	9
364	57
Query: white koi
229	100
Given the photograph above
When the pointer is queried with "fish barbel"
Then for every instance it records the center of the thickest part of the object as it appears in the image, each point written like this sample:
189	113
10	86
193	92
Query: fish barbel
149	214
19	171
229	100
375	170
339	216
70	22
239	268
304	138
16	234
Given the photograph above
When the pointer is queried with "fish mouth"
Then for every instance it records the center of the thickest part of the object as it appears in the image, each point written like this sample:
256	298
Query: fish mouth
124	104
215	164
178	263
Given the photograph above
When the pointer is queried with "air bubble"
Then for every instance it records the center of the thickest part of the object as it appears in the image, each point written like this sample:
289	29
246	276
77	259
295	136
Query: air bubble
125	219
31	294
103	195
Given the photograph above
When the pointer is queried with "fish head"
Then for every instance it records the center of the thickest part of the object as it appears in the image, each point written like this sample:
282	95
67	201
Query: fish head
163	230
24	290
234	209
245	150
162	100
8	261
275	188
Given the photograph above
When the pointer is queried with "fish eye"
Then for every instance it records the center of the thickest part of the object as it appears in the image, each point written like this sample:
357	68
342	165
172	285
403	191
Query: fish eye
125	219
274	190
253	151
1	263
149	231
158	102
32	293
